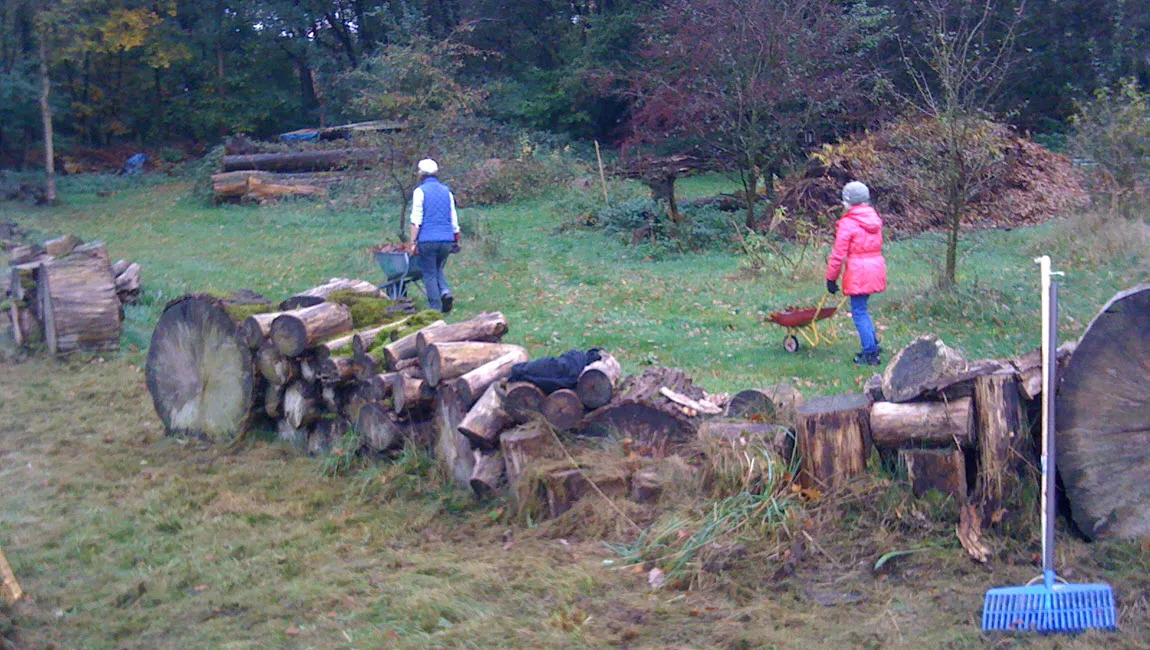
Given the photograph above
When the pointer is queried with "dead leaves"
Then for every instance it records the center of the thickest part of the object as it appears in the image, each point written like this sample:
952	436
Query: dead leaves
969	532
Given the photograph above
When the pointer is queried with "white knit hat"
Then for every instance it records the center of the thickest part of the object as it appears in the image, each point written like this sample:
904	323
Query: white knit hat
428	166
855	192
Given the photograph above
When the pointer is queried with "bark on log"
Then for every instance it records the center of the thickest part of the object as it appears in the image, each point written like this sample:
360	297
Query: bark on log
489	327
404	347
523	400
1103	420
295	331
773	403
255	328
300	404
923	423
119	266
917	368
337	370
526	446
301	161
410	393
317	295
62	245
485	421
563	409
1002	437
452	449
596	385
487	473
470	386
833	438
358	396
79	307
1029	369
378	429
25	254
128	283
275	367
450	359
364	340
199	375
938	469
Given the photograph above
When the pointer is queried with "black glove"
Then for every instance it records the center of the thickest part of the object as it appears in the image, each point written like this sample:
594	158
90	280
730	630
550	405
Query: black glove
832	286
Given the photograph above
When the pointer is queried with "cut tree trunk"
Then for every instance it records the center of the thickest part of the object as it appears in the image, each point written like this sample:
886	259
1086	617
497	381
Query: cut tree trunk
404	347
258	189
119	266
1103	420
523	400
452	448
563	487
485	421
1029	368
364	340
832	439
300	404
526	446
935	469
450	359
410	393
255	329
78	303
923	423
1002	437
275	367
295	331
488	326
198	373
337	370
378	429
563	409
596	385
916	369
301	161
316	295
62	245
487	473
470	386
774	403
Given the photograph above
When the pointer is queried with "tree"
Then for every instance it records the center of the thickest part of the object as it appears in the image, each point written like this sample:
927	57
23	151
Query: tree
958	66
1113	131
745	79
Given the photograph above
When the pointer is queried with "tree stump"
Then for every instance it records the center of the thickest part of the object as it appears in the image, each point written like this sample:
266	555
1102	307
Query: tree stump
563	409
79	308
833	438
523	400
563	487
916	369
470	386
295	331
485	421
923	423
452	449
450	359
779	438
1103	420
938	469
198	373
1002	437
487	473
596	384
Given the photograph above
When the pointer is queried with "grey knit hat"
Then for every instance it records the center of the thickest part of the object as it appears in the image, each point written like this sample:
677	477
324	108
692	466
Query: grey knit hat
855	192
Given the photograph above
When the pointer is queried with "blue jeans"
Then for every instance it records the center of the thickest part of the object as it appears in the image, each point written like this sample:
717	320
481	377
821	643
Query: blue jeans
432	256
863	323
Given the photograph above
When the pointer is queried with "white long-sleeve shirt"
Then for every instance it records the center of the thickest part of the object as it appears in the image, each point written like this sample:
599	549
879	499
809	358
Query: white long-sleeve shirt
417	210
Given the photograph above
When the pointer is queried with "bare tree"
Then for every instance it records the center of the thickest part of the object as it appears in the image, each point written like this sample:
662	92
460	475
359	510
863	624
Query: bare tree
46	119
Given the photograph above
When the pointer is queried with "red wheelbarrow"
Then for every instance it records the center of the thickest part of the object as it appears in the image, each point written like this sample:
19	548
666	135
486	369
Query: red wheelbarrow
803	321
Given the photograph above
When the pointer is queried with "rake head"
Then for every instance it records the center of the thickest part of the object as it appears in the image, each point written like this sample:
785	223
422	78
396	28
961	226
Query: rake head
1057	608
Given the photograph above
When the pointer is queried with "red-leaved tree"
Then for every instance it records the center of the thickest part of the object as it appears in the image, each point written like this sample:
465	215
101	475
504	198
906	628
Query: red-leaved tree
745	78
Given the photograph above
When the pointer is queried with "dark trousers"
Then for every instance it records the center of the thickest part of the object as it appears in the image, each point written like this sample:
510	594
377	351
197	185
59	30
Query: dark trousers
432	256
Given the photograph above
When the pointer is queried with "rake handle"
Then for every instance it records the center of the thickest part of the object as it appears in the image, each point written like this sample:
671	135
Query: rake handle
1049	453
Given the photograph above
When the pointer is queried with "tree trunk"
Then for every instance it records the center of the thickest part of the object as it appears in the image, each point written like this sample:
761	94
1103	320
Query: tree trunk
488	327
365	339
522	400
255	329
300	405
295	331
596	385
470	386
938	469
916	369
275	367
79	306
302	161
198	373
448	360
487	473
359	396
563	409
563	487
1002	437
773	403
833	438
378	430
485	421
1103	420
317	295
46	122
452	449
338	370
410	393
526	446
404	347
923	423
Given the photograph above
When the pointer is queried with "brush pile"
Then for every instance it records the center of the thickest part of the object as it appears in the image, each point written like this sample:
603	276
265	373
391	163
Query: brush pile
68	295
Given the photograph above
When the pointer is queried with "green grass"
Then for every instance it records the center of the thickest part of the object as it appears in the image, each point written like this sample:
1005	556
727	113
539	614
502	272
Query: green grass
126	539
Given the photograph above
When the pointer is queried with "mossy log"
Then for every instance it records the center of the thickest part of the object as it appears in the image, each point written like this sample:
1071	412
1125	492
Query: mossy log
452	449
832	435
597	381
923	423
319	294
293	332
446	360
487	473
485	420
404	347
1003	437
198	373
943	470
79	308
364	339
523	400
563	409
488	327
471	385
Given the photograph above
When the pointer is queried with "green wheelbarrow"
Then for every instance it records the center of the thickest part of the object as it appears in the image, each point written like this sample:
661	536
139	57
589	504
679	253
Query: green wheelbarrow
400	270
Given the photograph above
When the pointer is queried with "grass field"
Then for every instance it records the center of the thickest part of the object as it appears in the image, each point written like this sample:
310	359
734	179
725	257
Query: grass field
124	538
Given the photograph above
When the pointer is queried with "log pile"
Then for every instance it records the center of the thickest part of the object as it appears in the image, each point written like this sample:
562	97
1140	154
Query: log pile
67	295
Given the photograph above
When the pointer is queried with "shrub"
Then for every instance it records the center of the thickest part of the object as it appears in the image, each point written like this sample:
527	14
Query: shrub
499	180
1113	134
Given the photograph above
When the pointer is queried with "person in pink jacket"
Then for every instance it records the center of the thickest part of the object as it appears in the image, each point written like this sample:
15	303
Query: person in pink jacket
857	253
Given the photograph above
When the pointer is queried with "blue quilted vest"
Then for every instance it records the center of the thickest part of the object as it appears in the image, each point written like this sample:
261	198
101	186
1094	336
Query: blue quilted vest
436	211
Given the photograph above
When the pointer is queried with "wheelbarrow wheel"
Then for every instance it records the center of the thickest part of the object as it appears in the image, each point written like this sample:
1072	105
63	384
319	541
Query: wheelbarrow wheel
790	343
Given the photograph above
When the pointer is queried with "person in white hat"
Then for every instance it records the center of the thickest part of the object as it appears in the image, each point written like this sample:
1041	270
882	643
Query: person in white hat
434	233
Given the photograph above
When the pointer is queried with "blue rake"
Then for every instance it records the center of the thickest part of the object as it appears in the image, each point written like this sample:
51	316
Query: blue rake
1054	605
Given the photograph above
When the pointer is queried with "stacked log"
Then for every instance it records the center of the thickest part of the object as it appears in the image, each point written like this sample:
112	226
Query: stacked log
67	295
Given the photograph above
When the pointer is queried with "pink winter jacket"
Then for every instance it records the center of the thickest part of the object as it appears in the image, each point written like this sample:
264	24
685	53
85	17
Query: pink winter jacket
858	244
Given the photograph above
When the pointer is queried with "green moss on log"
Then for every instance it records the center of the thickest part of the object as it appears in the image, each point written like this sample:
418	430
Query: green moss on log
366	309
239	312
